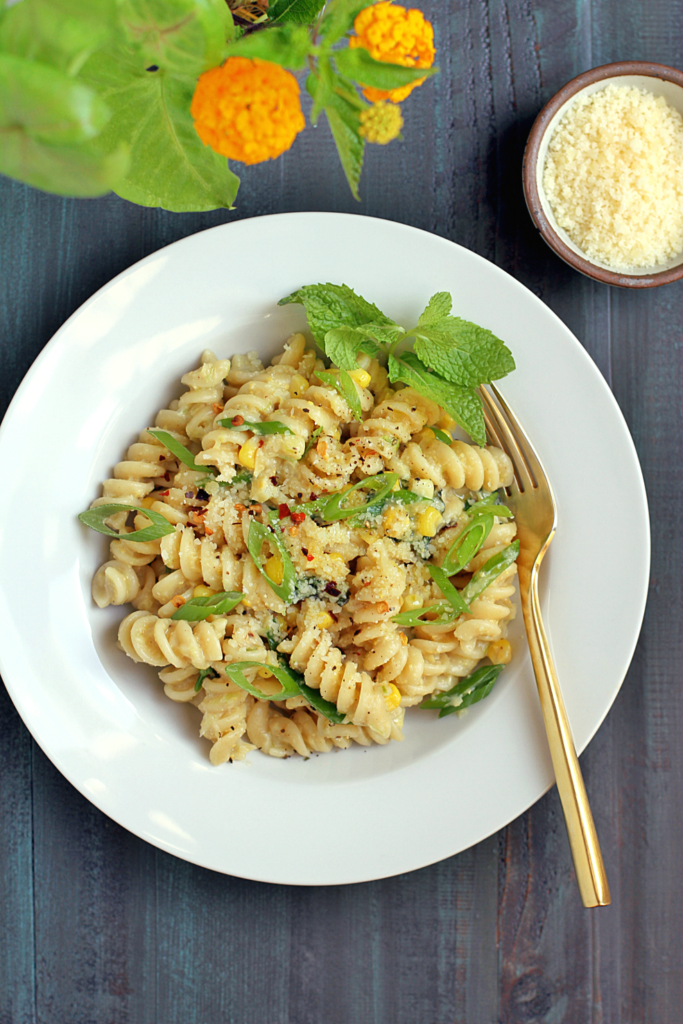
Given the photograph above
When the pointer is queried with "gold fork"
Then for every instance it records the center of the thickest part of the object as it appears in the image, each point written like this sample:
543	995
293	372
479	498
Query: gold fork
531	499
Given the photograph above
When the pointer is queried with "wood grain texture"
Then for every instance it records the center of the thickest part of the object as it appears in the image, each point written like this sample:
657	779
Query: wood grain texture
101	928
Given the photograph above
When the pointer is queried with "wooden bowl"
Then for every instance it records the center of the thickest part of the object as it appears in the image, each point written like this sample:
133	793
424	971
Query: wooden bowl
657	79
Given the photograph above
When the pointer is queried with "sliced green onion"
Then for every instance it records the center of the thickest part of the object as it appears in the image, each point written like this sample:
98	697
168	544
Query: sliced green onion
448	590
443	610
258	533
311	441
265	427
466	544
243	477
292	685
442	435
198	608
382	483
488	572
180	451
346	388
283	676
203	673
94	518
489	506
470	691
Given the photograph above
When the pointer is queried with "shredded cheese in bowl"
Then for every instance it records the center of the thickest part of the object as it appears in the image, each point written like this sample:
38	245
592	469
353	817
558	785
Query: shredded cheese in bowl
613	176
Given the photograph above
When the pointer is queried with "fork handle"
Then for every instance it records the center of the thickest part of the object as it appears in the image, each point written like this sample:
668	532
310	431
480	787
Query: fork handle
583	839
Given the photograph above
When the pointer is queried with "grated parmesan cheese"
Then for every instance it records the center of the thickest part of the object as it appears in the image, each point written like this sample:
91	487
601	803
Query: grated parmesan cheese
614	177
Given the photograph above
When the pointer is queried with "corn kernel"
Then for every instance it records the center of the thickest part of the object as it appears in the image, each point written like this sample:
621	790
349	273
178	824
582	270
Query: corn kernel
264	673
427	522
446	422
247	453
396	522
340	558
361	377
411	602
397	486
392	696
148	502
499	652
246	602
403	638
298	385
202	591
275	569
324	621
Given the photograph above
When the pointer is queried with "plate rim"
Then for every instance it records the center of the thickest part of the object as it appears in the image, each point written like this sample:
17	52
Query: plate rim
52	347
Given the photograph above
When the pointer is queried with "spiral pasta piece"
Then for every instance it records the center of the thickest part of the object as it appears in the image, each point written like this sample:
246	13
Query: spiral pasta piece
156	641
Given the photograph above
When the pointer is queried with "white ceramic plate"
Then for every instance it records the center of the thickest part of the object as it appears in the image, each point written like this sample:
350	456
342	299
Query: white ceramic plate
348	816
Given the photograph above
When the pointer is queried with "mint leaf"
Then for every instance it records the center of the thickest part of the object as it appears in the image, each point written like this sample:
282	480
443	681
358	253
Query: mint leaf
343	344
463	352
438	308
300	11
358	65
346	388
288	45
329	306
463	404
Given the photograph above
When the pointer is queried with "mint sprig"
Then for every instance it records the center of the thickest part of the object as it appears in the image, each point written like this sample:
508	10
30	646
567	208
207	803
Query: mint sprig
450	357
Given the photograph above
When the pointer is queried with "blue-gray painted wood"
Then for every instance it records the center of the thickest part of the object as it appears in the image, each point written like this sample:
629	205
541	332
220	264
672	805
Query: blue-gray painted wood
100	928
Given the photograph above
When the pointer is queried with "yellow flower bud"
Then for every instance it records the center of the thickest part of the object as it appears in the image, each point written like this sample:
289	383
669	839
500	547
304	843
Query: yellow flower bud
381	123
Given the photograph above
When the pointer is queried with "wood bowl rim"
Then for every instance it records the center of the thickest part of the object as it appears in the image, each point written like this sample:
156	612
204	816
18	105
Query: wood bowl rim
618	69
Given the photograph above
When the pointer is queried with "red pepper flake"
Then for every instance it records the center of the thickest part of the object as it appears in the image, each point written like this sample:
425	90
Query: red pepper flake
298	517
240	508
165	494
167	476
309	557
178	601
283	511
261	443
273	481
314	497
217	407
208	530
237	421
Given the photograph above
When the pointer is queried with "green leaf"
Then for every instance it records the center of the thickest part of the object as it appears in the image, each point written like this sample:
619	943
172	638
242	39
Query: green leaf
179	450
343	344
463	404
170	165
303	12
489	572
78	170
267	427
465	693
258	533
95	519
329	306
462	352
46	105
179	36
437	309
339	18
344	119
61	33
288	45
358	65
346	388
198	608
465	546
450	592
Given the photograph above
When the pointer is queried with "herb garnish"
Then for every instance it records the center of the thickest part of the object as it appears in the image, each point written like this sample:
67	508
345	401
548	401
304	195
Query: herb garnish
95	517
198	608
451	357
292	684
346	388
465	693
180	451
258	533
203	673
265	427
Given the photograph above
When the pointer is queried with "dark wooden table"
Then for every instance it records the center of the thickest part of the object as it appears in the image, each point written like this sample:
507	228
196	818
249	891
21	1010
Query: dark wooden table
97	927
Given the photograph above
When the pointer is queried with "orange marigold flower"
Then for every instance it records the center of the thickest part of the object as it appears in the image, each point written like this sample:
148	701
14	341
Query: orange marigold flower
247	110
396	36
